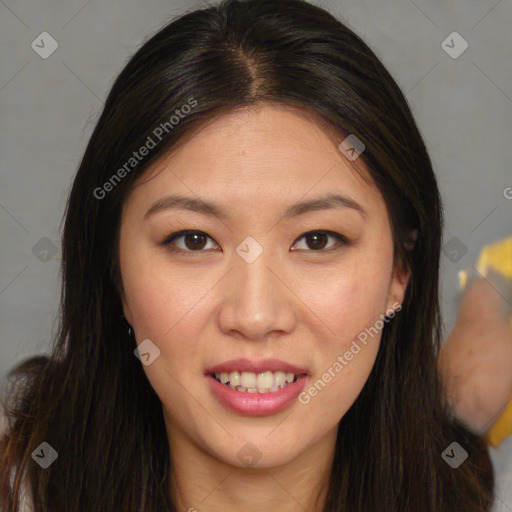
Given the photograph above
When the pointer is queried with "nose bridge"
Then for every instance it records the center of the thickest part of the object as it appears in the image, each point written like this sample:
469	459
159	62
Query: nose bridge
256	282
256	302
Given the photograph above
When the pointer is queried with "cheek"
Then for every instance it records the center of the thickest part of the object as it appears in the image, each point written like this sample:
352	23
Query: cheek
350	304
349	299
160	311
163	312
159	294
168	310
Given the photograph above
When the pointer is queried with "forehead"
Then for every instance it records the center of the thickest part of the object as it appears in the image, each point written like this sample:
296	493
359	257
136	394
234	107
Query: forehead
269	155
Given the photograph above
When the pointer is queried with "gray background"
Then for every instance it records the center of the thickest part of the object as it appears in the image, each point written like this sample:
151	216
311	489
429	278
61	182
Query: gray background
48	107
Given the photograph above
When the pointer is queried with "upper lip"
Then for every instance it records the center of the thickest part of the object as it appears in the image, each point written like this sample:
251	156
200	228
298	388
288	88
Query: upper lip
245	365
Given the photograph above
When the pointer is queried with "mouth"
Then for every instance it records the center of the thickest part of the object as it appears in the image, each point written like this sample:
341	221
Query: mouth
262	382
256	388
256	394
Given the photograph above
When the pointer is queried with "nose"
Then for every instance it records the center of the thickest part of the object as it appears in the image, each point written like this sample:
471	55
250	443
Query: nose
256	301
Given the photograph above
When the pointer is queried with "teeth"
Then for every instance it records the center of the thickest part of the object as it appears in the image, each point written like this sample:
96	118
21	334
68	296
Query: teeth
234	379
250	382
265	380
280	379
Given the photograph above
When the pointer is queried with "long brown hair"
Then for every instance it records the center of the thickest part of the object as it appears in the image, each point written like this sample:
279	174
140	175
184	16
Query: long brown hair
91	400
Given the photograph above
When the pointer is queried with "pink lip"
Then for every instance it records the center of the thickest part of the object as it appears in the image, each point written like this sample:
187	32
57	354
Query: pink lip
245	365
257	404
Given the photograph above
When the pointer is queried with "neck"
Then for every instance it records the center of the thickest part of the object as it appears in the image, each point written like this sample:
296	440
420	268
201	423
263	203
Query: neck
202	482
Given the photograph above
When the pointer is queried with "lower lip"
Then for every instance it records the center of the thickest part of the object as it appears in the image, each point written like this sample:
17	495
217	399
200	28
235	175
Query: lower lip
257	404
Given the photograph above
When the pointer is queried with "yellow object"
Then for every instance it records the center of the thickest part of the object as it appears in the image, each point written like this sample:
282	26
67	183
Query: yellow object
498	257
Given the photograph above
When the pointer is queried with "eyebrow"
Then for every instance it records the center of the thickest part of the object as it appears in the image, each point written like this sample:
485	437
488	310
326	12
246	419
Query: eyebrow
326	202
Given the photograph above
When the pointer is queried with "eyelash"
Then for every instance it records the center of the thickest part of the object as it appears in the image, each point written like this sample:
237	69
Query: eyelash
170	239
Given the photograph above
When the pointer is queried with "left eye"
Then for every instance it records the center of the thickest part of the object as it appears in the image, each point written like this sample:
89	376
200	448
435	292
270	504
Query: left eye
318	240
196	241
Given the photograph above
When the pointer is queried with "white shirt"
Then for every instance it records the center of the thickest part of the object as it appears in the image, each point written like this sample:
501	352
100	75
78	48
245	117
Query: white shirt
501	458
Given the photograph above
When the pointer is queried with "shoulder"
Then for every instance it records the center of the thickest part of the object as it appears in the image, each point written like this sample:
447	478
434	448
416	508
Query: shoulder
26	503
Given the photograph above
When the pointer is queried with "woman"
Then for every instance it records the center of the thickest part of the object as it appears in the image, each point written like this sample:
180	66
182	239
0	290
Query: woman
289	362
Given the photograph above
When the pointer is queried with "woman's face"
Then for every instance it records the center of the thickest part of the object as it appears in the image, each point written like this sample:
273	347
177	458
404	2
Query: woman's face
250	283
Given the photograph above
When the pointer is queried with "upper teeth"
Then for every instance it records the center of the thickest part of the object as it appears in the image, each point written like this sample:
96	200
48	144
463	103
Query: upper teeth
250	380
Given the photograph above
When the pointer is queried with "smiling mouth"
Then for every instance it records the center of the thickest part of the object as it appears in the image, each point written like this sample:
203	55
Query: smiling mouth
250	382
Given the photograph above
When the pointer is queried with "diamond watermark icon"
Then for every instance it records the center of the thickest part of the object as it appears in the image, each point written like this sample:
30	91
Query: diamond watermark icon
44	249
454	45
454	455
44	45
352	147
44	455
147	352
249	455
249	250
454	249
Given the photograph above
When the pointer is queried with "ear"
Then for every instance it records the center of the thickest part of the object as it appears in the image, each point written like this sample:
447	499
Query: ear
401	276
410	240
397	287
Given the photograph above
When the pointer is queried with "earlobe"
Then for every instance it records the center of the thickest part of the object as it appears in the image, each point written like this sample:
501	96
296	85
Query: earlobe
397	288
411	240
401	275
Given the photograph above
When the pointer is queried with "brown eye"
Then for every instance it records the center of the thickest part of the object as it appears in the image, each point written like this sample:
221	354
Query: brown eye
194	241
318	240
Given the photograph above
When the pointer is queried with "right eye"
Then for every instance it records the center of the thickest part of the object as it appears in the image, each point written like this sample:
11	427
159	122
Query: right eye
194	241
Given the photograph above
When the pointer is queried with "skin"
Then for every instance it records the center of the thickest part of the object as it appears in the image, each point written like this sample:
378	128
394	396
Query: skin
294	302
476	358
